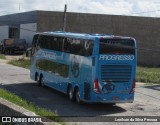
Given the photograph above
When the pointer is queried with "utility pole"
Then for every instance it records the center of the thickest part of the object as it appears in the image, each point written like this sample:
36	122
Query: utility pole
64	18
19	6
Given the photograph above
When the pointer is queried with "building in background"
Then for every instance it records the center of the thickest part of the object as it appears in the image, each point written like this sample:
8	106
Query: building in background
21	25
145	29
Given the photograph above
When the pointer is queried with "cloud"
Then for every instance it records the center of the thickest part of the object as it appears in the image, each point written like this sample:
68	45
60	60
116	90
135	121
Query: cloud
116	7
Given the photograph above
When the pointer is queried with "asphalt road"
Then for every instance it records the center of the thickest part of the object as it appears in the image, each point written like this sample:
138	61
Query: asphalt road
16	79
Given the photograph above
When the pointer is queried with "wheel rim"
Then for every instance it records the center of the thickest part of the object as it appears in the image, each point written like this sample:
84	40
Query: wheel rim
77	96
70	93
42	82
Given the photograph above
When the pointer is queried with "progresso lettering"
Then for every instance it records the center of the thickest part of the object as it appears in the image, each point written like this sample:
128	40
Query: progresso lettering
116	57
49	55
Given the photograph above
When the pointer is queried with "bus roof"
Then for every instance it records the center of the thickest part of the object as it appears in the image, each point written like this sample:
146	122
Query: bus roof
83	35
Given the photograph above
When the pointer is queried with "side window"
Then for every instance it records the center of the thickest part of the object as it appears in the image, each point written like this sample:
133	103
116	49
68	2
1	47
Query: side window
53	67
67	45
53	41
59	43
56	43
77	47
40	43
44	42
50	42
88	47
47	42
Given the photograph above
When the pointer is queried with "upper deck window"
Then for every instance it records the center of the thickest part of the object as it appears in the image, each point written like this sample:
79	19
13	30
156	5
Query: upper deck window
78	46
50	42
70	45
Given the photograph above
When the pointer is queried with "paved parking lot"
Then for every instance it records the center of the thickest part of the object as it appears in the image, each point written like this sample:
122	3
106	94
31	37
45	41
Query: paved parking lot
16	79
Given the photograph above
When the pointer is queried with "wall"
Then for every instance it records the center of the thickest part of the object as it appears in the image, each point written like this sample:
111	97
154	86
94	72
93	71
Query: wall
146	30
27	31
4	30
49	21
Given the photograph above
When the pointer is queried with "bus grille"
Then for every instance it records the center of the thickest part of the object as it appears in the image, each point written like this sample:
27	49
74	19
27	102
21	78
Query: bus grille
116	73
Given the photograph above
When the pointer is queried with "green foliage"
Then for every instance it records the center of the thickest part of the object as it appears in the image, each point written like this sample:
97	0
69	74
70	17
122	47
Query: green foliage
2	56
29	106
148	75
22	62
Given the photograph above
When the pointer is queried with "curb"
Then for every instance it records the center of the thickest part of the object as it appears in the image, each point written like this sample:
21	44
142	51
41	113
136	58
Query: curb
140	84
11	110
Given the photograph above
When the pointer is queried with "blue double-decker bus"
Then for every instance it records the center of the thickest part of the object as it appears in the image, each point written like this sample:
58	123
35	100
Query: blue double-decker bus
93	68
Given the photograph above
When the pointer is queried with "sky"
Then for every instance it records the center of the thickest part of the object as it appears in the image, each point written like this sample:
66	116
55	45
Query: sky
147	8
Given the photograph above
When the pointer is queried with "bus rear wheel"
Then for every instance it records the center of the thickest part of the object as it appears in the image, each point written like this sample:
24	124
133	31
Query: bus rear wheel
77	96
70	93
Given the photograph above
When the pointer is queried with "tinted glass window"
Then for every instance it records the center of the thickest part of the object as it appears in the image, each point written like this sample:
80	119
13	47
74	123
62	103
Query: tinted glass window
67	45
116	46
78	46
88	47
50	42
70	45
41	42
55	43
53	67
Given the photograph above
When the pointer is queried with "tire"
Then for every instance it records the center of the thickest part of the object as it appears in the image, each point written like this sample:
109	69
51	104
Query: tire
77	96
70	93
41	81
37	79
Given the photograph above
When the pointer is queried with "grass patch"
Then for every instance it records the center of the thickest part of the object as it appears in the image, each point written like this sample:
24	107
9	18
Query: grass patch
25	63
148	75
2	56
29	106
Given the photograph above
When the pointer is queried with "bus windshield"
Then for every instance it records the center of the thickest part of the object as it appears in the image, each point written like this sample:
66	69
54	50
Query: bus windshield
116	46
